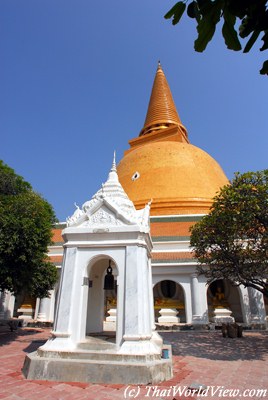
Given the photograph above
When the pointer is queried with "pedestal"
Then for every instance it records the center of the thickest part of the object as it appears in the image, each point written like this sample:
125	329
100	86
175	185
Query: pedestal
110	322
222	315
168	315
112	315
27	313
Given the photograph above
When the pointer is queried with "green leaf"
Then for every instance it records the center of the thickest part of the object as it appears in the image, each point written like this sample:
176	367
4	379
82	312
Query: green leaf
238	8
171	12
205	33
207	25
247	26
229	33
251	41
25	232
232	239
193	11
204	6
264	70
176	12
265	41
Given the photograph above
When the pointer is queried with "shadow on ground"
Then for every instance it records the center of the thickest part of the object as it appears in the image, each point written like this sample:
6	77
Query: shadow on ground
211	345
20	335
33	346
7	337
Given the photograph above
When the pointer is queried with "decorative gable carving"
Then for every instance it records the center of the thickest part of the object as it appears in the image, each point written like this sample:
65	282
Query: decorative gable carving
102	217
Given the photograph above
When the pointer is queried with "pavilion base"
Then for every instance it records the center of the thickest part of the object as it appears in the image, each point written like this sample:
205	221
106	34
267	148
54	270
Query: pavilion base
100	368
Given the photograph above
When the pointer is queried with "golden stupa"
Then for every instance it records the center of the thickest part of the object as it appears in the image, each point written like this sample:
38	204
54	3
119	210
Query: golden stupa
161	165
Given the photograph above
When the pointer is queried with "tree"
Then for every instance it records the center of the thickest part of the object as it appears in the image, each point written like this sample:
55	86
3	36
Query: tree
253	16
231	242
26	221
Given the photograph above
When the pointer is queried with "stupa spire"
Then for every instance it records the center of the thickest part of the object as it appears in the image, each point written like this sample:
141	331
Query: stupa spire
162	112
113	172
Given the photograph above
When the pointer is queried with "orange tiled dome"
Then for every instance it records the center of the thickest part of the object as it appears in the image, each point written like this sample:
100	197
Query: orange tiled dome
180	178
163	166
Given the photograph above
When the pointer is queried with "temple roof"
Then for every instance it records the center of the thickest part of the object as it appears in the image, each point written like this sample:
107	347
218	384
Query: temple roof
110	206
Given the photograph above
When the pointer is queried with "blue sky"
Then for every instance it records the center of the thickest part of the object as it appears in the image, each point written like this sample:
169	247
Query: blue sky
75	81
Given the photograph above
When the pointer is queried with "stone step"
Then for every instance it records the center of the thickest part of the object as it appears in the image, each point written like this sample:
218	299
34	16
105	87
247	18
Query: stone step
94	355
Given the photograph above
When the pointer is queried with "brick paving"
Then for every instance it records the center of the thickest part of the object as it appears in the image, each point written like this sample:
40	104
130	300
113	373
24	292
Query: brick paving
203	358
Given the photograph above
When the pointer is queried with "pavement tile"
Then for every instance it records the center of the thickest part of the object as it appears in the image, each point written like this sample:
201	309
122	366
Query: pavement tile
81	385
203	357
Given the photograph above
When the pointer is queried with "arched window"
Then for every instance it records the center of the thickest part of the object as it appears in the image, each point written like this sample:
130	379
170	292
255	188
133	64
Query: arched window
168	289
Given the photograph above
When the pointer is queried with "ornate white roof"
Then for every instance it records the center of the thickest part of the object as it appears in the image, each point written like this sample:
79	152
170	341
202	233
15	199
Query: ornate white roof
110	206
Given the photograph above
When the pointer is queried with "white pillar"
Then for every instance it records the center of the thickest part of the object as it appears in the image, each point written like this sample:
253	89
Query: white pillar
37	305
138	335
257	307
10	304
2	304
66	306
136	304
7	301
199	302
245	306
44	313
151	295
188	302
195	297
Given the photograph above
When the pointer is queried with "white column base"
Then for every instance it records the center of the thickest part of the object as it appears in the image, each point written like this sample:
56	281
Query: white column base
199	319
41	317
256	319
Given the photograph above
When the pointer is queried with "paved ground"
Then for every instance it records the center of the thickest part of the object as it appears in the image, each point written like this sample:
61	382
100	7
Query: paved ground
199	357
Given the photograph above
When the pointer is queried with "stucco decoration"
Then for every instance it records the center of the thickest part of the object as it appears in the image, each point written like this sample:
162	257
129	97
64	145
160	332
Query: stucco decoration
110	206
77	217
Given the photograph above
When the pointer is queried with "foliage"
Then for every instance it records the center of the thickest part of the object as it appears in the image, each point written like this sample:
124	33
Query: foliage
232	240
10	183
25	232
252	14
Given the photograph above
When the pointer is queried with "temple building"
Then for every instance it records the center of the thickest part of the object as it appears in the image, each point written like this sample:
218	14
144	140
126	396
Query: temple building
161	166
